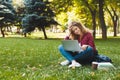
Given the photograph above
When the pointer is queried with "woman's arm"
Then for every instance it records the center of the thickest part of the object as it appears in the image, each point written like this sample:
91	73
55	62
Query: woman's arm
88	40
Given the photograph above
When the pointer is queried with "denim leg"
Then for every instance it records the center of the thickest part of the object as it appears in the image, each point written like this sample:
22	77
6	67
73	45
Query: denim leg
65	53
85	56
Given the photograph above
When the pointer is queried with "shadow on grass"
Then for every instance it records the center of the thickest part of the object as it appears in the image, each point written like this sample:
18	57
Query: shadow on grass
35	38
41	38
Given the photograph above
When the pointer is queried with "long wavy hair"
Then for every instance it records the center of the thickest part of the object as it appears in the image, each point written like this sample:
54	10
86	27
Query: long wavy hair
80	26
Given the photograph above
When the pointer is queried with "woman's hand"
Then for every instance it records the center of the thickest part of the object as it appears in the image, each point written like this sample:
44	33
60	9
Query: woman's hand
84	47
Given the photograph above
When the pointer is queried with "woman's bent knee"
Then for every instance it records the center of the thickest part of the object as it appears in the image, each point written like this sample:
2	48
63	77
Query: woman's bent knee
60	47
89	49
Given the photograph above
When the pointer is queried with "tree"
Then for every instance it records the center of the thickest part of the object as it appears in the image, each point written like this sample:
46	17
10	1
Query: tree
92	7
62	5
20	12
7	14
85	9
112	6
38	14
102	21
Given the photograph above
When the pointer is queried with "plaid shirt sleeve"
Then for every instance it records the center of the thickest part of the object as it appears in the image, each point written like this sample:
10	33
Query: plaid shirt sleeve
88	40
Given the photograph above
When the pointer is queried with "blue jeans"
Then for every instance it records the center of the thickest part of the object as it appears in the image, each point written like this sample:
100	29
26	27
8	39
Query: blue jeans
85	56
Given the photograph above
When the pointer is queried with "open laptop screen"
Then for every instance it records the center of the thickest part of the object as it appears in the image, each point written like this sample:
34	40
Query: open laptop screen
71	45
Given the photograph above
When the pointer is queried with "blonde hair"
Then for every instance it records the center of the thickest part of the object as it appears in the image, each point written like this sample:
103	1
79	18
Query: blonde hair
80	26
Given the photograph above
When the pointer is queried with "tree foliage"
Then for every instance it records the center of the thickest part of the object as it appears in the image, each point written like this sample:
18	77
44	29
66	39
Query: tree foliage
62	5
7	14
41	13
112	7
89	12
38	14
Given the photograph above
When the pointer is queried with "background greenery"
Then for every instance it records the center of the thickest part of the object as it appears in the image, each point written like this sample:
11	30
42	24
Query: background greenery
38	59
102	16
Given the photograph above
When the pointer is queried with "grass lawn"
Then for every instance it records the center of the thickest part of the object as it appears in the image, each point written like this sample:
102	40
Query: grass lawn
37	59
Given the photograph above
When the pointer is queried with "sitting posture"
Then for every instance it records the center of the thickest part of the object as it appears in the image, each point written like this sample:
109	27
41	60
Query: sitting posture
84	36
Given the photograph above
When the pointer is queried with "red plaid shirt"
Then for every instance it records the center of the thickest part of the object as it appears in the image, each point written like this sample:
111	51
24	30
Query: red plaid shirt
87	39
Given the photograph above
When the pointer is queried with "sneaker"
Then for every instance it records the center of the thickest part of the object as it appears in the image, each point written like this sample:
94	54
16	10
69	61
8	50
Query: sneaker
66	62
75	64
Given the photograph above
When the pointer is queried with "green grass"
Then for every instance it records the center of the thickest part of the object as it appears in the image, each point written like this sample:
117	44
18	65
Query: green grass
35	59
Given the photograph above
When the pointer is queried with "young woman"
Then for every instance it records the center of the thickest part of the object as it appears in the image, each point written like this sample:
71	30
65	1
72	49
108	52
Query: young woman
85	39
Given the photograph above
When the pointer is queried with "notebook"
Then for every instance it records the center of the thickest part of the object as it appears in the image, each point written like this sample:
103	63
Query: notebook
71	45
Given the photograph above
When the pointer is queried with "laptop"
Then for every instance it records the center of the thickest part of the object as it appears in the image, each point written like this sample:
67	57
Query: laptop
71	45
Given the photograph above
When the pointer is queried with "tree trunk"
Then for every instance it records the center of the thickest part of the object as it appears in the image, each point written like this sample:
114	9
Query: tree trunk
94	23
115	28
118	26
114	17
43	29
115	20
93	14
2	32
25	34
102	21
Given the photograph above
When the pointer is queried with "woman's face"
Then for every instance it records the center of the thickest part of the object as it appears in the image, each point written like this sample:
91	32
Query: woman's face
76	30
